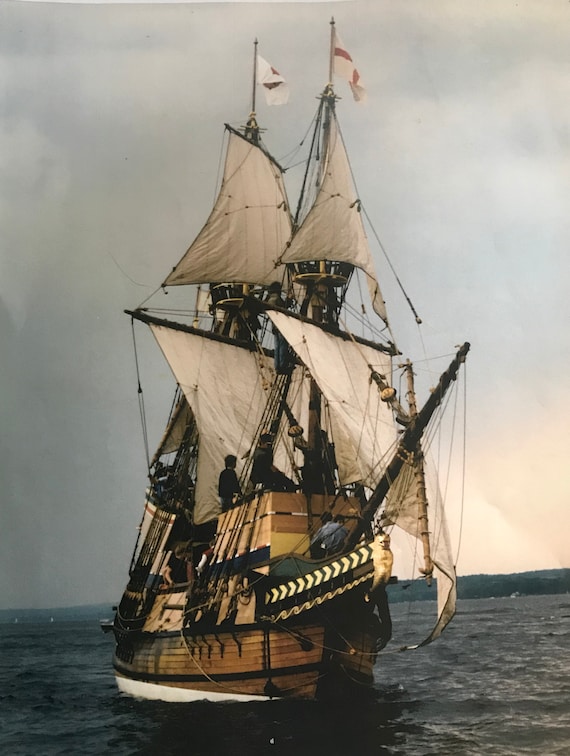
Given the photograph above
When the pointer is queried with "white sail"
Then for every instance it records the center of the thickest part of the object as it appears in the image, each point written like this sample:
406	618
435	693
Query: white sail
333	228
286	457
363	425
248	226
223	385
402	510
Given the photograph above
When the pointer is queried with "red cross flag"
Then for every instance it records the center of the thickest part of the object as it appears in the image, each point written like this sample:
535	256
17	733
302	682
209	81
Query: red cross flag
274	85
345	68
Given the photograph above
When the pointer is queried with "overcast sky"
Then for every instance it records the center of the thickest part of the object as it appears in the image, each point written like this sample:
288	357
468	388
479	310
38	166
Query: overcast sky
111	122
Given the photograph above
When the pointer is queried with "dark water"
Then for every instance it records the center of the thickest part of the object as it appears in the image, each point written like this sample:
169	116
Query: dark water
497	682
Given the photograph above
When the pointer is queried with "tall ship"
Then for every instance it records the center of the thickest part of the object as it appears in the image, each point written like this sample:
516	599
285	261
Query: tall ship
295	450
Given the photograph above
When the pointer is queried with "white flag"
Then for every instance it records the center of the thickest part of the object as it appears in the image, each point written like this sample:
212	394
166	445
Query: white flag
344	67
274	85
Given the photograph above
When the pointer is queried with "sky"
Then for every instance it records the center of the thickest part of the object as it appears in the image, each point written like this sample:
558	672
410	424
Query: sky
111	125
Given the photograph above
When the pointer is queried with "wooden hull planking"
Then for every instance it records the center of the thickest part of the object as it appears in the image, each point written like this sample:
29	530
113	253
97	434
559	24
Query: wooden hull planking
306	633
301	660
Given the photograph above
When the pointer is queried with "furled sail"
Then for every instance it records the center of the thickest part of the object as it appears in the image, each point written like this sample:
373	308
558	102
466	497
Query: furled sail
402	510
363	425
223	385
248	226
333	228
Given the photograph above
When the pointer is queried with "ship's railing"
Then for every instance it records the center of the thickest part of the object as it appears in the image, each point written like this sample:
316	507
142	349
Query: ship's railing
225	296
331	272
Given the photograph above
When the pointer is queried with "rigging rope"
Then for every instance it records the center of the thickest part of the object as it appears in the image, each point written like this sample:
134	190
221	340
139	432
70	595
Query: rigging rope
390	264
376	236
460	535
140	397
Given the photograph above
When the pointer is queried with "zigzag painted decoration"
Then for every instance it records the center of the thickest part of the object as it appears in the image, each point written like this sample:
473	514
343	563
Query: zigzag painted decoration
320	576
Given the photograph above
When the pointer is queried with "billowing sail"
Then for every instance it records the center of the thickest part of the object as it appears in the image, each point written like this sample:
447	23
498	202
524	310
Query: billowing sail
333	228
248	226
402	510
363	425
223	385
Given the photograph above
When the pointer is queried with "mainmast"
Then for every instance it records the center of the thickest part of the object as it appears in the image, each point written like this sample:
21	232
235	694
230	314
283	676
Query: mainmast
324	280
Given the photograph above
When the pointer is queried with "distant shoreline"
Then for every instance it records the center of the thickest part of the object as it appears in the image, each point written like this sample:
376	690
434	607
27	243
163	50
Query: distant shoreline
535	583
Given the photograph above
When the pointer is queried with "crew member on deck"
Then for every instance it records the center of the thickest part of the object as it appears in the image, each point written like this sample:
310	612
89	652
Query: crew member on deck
282	356
228	483
316	548
330	536
163	481
264	472
179	568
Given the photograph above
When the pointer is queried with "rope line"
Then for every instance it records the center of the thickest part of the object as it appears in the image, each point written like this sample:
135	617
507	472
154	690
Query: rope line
140	397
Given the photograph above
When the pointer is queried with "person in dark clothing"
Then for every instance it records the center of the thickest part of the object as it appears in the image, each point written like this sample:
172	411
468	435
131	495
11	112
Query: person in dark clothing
282	355
163	481
264	472
177	569
228	483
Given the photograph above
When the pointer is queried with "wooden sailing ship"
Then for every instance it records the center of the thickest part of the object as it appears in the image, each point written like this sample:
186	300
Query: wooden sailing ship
255	598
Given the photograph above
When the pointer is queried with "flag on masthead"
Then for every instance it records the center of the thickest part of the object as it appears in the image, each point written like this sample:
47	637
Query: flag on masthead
345	68
274	85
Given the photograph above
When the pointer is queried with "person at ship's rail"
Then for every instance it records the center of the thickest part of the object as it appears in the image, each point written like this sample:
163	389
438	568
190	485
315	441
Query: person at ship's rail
264	472
329	537
179	566
162	480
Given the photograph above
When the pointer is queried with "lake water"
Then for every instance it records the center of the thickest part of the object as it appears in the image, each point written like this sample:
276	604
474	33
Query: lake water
497	682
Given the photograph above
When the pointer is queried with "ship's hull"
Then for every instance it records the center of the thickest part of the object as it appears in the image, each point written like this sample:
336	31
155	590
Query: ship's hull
296	627
301	658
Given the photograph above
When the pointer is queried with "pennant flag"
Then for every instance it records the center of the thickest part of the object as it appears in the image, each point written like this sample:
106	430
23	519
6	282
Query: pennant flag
344	67
274	85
